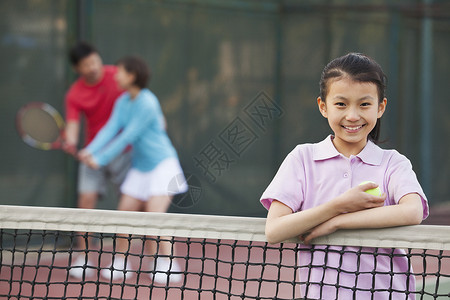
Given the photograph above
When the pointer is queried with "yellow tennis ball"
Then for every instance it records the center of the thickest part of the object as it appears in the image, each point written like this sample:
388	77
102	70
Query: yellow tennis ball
376	191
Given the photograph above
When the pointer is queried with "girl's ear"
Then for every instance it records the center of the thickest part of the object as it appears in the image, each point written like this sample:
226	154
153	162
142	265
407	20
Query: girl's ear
322	107
381	108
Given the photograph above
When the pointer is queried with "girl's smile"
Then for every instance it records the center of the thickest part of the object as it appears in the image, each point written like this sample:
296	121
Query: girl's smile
351	129
352	110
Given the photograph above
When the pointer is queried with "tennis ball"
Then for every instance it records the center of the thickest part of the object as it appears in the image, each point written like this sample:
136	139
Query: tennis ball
376	191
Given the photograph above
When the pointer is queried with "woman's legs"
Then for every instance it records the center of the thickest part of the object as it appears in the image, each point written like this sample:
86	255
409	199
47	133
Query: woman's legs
165	269
159	204
126	203
155	204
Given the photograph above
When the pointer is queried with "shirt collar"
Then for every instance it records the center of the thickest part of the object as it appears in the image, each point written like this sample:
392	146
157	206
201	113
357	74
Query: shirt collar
325	149
371	154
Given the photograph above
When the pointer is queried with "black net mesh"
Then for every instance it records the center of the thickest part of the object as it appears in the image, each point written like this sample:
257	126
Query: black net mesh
54	264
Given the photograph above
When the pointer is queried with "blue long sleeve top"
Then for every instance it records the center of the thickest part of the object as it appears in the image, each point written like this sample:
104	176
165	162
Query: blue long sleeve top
138	122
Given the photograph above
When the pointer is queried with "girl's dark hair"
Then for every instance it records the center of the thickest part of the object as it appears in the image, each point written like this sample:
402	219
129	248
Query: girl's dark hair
360	68
138	67
80	51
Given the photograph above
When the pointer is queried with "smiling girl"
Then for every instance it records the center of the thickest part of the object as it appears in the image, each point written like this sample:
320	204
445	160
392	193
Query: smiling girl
316	191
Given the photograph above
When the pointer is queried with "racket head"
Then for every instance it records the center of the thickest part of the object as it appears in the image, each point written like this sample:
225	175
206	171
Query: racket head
40	125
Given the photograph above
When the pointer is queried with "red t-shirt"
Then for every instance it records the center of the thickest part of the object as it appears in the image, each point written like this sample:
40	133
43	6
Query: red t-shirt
95	102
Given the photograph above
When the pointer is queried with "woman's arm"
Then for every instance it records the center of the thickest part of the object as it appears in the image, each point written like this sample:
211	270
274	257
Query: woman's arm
143	116
282	224
408	211
103	137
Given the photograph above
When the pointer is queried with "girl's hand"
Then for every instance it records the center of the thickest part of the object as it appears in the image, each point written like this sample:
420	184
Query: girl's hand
92	163
84	154
325	228
88	159
356	199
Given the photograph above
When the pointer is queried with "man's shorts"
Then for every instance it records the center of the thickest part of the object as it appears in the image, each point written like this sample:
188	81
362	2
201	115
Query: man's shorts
95	181
166	179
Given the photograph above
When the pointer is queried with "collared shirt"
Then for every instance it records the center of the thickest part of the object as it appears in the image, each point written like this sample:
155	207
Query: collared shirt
313	174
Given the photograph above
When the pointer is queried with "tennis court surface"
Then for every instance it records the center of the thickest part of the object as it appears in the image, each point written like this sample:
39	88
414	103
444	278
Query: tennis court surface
216	257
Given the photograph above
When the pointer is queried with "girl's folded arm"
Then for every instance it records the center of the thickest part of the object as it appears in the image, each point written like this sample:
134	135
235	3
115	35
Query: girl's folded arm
283	224
409	211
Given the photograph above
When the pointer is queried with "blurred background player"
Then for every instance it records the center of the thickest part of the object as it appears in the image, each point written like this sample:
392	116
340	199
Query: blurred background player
92	96
137	119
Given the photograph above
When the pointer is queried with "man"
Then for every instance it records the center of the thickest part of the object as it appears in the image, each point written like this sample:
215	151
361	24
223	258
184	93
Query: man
92	96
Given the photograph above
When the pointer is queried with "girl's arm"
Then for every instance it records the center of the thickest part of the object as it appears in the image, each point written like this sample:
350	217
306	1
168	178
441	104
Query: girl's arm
409	211
282	224
107	133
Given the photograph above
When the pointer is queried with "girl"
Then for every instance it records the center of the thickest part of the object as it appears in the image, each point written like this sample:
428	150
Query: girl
316	191
137	120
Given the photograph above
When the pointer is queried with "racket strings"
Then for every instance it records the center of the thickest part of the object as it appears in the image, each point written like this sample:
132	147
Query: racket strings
40	125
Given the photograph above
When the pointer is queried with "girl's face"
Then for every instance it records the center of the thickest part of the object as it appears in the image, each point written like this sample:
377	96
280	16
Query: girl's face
352	110
123	78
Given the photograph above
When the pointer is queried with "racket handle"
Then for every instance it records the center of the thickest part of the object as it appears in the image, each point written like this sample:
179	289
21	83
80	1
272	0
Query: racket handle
69	149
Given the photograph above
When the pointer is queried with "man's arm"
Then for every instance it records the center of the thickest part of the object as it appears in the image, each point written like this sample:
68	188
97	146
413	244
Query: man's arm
71	136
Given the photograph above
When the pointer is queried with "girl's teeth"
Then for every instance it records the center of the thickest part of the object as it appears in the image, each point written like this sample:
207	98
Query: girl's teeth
352	128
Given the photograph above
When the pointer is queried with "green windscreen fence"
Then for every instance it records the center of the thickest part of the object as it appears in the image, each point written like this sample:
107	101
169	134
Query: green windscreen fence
33	46
237	81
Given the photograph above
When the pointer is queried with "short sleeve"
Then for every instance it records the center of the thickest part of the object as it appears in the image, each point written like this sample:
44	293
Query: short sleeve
402	180
287	185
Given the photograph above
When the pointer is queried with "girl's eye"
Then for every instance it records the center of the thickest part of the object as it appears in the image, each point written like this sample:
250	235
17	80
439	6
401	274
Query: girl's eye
366	104
340	104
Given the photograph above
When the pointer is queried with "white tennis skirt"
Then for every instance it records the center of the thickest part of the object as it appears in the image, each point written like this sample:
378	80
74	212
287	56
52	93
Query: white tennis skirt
166	179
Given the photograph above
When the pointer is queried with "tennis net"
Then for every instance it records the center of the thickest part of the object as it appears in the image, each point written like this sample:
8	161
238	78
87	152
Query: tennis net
210	257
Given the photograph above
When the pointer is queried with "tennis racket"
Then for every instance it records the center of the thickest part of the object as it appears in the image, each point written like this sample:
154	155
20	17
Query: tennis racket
40	126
